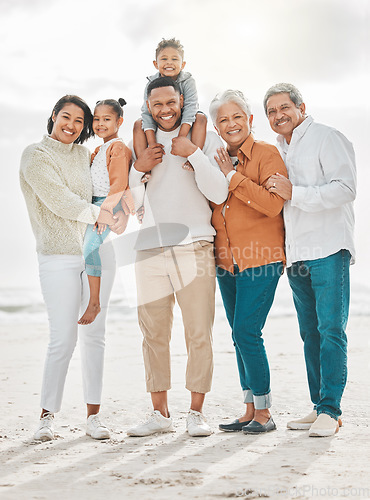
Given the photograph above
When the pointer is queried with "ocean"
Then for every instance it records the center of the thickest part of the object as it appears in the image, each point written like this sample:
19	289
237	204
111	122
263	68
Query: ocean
26	305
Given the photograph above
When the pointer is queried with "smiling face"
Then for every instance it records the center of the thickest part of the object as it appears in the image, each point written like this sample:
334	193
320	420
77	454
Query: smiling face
169	62
233	125
165	105
284	116
68	124
106	122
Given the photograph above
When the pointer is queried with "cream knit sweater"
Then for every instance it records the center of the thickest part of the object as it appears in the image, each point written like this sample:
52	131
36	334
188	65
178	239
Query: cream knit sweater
56	183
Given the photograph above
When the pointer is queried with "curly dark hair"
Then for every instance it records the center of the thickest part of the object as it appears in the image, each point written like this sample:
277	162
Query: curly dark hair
172	42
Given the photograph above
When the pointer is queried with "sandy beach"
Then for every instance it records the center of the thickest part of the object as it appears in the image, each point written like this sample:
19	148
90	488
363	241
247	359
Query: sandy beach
282	464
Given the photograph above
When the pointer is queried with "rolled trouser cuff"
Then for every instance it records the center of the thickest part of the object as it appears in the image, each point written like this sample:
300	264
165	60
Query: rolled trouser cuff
260	402
248	396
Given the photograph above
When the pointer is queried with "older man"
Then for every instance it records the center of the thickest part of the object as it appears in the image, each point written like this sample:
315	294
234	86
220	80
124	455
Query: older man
319	222
175	256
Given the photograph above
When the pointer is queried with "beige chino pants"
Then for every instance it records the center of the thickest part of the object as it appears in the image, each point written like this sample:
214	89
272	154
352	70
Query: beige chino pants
187	272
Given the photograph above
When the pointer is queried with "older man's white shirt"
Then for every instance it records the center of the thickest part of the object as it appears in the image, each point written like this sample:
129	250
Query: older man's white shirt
319	219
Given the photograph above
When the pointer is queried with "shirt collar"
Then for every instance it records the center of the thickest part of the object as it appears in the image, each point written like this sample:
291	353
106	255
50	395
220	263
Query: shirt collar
297	132
246	148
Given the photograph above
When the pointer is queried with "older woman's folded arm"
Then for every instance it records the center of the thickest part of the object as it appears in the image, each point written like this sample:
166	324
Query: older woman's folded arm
255	195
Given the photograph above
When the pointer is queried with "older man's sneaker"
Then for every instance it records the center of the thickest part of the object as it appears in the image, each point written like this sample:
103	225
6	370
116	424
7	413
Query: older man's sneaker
155	423
302	424
45	432
196	424
324	426
96	429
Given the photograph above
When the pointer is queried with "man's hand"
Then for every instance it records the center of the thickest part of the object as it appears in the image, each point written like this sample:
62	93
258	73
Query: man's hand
280	185
149	158
182	146
120	223
224	161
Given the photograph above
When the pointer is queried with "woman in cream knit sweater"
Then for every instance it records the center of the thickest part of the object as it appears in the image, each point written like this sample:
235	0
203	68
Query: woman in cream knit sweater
55	180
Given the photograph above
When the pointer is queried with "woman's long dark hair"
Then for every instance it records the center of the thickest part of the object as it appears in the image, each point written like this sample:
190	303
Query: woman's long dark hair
74	99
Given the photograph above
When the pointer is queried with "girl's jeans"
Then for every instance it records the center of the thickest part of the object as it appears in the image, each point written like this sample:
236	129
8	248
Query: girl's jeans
93	241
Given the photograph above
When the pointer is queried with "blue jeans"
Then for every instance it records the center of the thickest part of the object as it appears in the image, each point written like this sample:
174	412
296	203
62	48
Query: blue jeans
321	298
247	298
92	243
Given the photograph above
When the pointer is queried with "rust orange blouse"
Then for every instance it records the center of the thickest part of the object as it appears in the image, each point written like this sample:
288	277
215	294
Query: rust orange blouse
252	229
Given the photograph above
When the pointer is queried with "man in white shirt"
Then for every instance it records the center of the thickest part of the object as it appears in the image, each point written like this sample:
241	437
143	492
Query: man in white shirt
319	223
175	256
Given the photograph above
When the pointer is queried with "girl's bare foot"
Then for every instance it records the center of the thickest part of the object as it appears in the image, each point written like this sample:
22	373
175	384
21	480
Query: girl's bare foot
187	166
90	314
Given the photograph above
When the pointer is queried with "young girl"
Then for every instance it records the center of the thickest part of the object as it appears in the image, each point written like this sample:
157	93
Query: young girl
110	165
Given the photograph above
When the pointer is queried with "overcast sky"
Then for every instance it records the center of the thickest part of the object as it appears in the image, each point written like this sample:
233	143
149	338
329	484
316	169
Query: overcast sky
105	49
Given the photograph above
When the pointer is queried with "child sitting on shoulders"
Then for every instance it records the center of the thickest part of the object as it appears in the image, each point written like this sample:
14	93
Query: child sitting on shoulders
169	61
110	165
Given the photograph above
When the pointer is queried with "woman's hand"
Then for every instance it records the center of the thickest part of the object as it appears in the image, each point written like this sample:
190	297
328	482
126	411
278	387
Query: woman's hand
280	185
224	161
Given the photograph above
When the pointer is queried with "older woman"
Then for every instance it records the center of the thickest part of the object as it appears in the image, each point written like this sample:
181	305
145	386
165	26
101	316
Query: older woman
249	251
55	180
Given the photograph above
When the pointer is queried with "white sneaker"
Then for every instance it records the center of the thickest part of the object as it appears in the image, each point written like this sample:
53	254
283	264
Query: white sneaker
45	432
196	424
96	429
155	423
304	423
324	426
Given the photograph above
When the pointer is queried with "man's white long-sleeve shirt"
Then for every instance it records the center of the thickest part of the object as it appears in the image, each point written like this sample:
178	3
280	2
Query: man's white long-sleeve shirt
319	219
175	200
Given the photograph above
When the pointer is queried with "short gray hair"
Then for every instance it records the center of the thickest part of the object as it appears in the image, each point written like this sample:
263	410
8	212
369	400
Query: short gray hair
229	95
284	88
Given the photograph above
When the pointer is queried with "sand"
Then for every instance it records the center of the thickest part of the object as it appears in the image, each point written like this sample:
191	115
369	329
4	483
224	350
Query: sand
281	464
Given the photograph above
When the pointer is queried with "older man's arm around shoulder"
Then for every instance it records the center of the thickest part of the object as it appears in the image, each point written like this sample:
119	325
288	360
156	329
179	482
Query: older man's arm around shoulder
210	180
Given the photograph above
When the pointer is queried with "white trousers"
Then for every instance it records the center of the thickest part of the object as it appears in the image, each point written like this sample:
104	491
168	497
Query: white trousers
65	289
